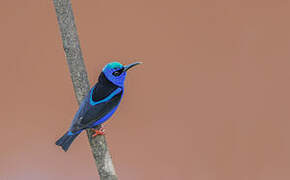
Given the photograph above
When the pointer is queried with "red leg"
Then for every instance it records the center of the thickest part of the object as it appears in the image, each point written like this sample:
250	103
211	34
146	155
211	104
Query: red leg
101	131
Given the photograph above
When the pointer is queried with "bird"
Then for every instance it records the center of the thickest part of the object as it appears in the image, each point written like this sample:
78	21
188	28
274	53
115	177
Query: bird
99	104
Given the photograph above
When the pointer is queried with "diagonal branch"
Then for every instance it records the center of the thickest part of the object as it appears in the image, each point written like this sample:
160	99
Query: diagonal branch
81	84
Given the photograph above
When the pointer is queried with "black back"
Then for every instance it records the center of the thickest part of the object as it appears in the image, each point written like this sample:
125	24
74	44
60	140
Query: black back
103	88
88	114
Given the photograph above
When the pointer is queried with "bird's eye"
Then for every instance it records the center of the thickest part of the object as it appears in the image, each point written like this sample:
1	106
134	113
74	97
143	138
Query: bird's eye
117	73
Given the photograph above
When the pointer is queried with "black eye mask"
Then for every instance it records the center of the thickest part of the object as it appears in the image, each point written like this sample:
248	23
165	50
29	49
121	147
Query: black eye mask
118	73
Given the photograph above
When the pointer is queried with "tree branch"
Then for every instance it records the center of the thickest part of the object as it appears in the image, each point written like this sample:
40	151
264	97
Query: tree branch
81	84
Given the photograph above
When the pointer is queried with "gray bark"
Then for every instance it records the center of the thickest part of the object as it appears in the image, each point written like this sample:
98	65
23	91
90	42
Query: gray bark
81	84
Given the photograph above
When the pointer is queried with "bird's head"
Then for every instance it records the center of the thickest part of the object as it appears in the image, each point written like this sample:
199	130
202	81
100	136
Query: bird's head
116	72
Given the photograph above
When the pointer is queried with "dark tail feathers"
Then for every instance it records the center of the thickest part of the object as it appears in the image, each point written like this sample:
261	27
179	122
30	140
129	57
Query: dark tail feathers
65	141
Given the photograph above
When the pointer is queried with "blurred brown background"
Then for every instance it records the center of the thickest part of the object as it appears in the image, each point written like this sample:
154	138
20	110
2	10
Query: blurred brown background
210	102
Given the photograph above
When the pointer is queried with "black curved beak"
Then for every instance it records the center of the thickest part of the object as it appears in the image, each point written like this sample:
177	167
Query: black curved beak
126	68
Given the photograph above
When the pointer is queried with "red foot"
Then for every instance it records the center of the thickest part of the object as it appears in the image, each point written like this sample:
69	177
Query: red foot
101	131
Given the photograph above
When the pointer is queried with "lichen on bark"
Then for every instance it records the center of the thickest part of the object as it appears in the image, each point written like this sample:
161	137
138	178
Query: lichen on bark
79	76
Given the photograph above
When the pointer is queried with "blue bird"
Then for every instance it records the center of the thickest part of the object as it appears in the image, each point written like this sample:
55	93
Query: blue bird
100	103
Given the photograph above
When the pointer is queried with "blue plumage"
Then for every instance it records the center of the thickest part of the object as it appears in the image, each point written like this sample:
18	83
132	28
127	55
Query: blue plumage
100	103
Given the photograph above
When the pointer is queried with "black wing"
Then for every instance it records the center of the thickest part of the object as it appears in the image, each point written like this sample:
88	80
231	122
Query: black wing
88	114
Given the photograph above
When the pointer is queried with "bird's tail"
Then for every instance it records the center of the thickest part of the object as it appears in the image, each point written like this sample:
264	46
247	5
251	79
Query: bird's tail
66	140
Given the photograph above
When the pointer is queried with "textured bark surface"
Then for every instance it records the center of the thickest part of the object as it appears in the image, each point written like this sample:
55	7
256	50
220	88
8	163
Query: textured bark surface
81	84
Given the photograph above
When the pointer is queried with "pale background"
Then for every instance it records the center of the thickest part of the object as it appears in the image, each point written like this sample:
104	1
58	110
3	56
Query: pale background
210	102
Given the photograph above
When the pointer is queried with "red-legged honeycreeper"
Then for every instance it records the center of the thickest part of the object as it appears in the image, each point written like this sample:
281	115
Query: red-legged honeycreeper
100	103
